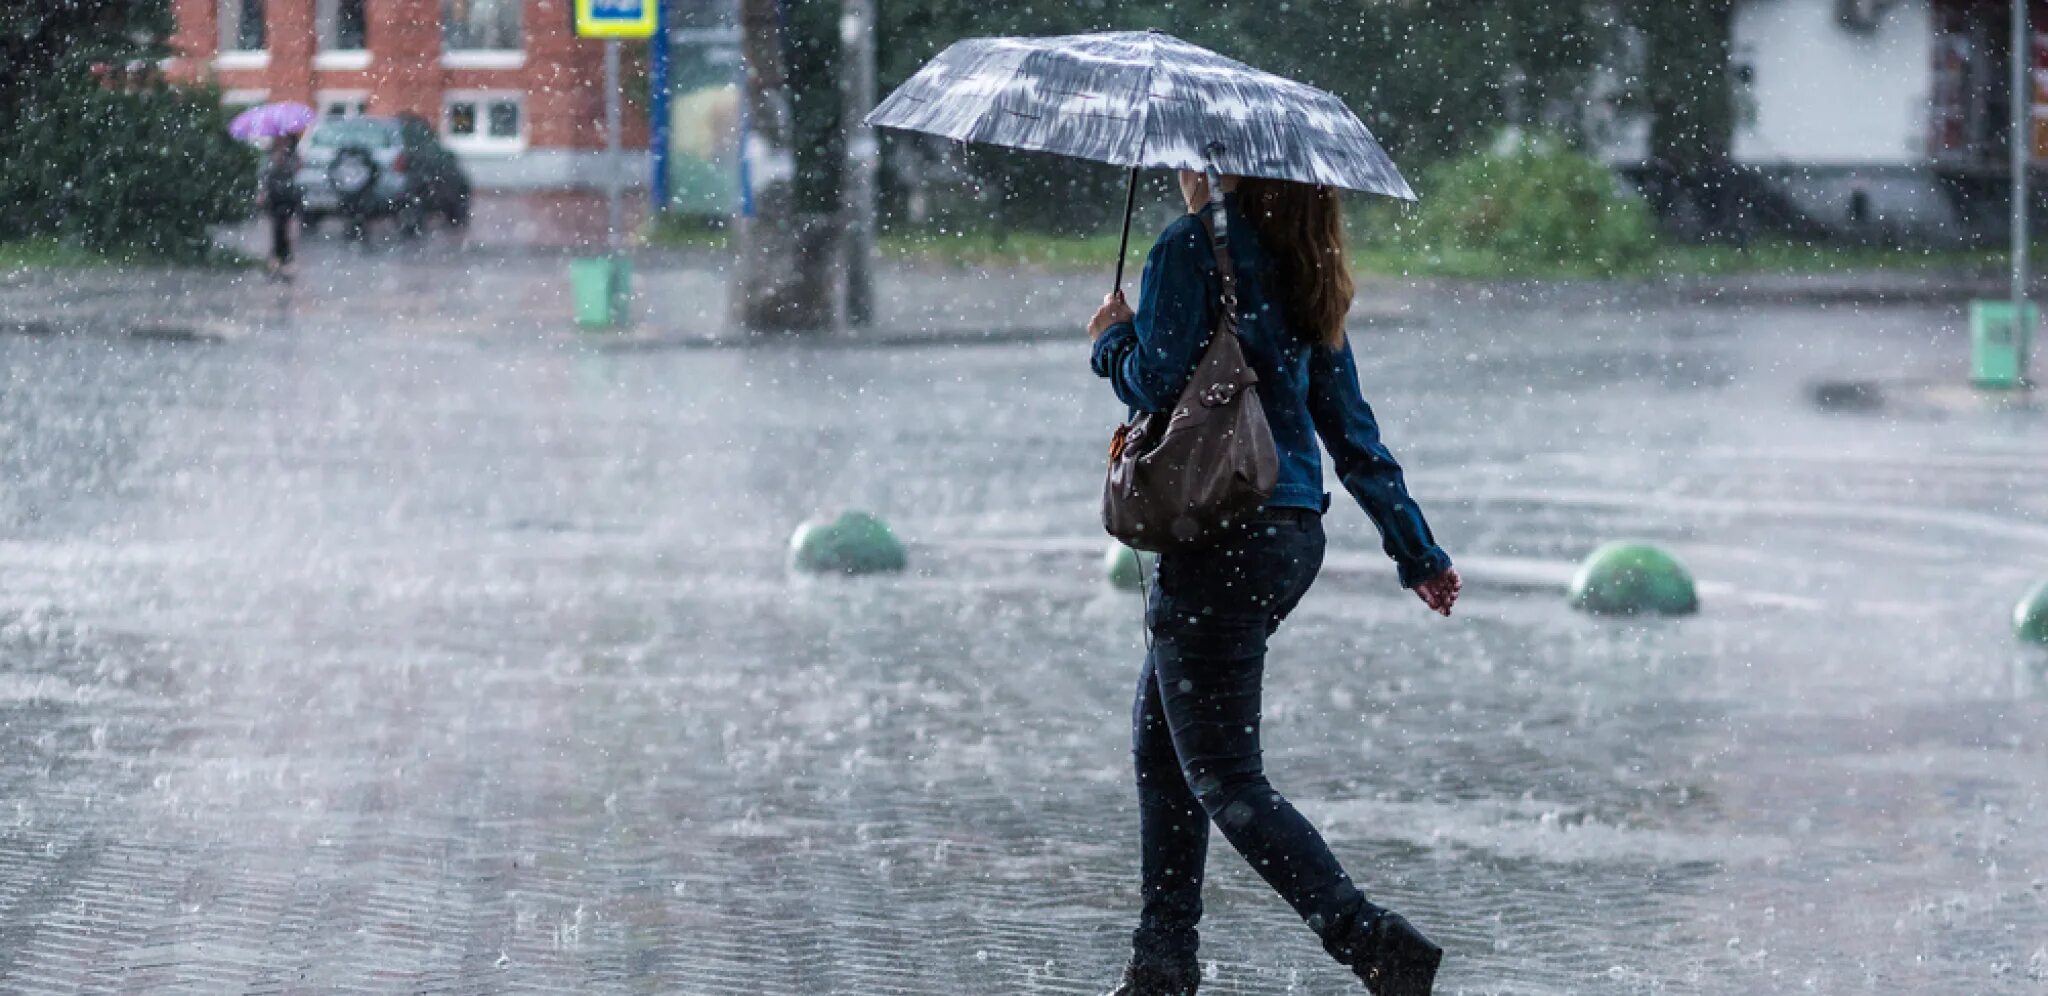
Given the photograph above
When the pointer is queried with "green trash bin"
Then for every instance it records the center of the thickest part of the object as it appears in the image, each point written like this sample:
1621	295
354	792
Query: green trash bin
1999	345
603	285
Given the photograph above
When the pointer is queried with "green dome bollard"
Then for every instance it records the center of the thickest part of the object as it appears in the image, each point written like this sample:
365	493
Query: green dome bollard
854	543
1632	578
1125	567
2030	617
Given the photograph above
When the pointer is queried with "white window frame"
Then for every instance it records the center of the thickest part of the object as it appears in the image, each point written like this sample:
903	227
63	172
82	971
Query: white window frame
342	58
242	60
355	98
485	58
239	58
338	58
244	97
482	141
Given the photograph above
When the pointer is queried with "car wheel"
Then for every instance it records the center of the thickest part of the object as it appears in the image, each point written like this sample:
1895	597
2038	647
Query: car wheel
412	220
353	172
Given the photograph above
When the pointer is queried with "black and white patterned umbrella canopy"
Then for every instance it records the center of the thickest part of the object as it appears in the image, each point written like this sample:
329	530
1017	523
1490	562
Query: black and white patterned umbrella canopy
1140	99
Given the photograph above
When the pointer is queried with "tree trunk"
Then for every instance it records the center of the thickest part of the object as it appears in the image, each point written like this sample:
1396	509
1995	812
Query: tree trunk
1692	99
1691	96
790	267
858	92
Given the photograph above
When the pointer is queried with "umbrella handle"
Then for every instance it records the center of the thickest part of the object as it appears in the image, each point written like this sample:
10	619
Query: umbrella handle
1215	176
1123	245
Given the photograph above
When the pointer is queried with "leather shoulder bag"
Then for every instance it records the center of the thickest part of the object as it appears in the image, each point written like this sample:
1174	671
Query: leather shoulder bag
1178	478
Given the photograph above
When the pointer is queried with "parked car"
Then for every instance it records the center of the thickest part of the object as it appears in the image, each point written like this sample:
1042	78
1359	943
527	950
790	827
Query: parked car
377	167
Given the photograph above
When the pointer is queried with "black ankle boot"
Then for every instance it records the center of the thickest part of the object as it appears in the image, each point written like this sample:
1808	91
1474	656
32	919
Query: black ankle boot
1159	980
1163	963
1394	958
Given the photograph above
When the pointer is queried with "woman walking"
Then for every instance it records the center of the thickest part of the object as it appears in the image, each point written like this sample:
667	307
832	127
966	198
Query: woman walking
279	196
1196	719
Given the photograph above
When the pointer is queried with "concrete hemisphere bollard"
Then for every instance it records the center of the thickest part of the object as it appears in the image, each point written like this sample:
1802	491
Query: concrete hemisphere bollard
2030	617
1124	567
1632	579
854	543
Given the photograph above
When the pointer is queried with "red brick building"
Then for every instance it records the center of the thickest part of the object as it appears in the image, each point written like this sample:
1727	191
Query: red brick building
510	86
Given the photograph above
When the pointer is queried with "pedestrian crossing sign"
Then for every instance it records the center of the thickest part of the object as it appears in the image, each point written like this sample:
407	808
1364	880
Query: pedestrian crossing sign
615	18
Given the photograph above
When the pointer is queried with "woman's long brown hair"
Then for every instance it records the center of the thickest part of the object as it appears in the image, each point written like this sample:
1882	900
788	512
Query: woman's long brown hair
1302	226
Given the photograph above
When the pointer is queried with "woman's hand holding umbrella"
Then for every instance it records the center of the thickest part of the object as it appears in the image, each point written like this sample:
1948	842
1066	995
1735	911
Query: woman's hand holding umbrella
1114	309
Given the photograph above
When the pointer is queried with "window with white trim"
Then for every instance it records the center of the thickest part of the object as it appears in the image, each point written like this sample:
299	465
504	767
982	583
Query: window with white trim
484	120
342	25
241	26
480	25
241	99
337	104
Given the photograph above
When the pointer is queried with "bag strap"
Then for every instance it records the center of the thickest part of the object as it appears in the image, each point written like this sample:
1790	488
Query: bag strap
1219	230
1226	319
1217	223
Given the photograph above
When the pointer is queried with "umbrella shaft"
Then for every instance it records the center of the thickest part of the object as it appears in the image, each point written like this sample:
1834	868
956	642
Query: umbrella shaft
1123	245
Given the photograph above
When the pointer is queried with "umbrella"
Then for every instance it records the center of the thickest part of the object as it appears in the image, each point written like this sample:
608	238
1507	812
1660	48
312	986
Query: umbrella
1140	99
270	120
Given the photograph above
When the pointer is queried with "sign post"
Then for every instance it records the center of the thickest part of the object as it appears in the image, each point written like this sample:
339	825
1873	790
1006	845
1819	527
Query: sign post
2002	332
2022	146
603	287
612	210
658	114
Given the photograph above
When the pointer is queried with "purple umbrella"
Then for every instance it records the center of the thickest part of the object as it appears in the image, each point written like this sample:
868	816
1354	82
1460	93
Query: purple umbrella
283	117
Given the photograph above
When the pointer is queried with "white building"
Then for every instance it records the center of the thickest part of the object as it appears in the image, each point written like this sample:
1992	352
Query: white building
1882	118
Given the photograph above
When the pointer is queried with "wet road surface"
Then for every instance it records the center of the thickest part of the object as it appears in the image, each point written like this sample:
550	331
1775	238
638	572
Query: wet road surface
408	653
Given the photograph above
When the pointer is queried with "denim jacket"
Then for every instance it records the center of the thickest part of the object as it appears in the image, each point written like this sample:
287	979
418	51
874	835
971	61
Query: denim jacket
1308	390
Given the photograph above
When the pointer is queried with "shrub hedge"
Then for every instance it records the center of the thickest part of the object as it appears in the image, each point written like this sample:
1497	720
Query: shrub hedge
139	169
1535	203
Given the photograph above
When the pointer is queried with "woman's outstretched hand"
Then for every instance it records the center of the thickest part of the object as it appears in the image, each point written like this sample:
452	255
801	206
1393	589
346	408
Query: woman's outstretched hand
1441	592
1113	310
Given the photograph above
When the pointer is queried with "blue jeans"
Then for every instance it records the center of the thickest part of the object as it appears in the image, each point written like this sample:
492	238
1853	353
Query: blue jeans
1195	737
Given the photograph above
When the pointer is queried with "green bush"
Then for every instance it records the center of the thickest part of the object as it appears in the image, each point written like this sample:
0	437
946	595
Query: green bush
1534	204
142	169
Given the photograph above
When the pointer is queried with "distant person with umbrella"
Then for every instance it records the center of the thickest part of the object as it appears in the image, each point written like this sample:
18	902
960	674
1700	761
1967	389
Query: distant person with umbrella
1260	160
280	123
280	196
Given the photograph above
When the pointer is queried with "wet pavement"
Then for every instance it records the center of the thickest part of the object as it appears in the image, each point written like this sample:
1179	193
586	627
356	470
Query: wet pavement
506	276
399	638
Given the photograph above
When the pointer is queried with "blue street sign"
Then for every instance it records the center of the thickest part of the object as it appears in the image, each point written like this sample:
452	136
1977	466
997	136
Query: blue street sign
615	18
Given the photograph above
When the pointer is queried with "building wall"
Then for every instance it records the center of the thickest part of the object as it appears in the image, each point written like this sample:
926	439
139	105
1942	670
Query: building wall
1838	116
1835	116
559	76
1824	93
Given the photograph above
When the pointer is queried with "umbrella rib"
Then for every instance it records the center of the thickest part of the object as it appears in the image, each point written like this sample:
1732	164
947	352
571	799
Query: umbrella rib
1145	107
1066	114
